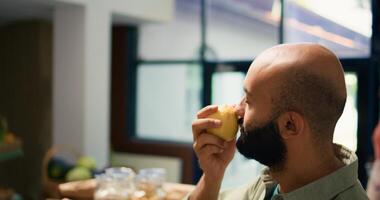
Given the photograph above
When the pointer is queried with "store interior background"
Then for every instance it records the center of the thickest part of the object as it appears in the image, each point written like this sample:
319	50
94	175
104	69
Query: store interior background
121	80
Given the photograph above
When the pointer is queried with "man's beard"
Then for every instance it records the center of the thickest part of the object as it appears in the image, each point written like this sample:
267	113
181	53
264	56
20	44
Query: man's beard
263	144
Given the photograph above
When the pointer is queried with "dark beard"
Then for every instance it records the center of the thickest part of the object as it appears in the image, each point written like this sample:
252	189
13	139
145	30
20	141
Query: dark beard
263	144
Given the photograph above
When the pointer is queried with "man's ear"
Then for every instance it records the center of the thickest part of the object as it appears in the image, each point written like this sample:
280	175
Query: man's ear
290	124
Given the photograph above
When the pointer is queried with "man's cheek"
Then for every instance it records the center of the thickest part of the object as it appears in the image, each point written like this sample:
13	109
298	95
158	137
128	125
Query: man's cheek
247	122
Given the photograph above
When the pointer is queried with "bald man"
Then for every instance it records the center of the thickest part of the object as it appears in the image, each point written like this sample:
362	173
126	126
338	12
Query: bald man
294	96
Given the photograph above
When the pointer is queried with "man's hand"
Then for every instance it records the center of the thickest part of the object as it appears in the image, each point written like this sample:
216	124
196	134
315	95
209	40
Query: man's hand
214	154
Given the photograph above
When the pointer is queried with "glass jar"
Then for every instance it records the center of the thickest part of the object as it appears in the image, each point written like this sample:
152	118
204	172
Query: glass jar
115	184
149	184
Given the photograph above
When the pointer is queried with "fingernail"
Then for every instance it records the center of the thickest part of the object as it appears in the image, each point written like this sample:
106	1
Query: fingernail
218	122
221	150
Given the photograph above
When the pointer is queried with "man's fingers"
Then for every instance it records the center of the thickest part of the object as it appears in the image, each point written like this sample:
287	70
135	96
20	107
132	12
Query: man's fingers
201	125
206	111
231	144
206	123
205	139
208	150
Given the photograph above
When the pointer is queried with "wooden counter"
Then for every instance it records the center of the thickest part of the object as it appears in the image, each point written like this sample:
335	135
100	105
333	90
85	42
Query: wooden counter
86	189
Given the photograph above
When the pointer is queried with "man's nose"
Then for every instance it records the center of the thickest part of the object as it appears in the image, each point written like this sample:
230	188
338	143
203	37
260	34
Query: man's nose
239	108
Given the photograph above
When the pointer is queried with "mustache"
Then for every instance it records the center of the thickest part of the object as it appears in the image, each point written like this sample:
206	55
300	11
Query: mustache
240	121
241	127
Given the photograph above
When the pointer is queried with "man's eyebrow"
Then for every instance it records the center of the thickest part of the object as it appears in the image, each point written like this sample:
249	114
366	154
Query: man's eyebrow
247	93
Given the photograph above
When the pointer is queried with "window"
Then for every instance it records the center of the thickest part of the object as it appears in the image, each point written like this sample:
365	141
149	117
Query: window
169	75
347	126
234	32
168	98
344	26
227	88
240	30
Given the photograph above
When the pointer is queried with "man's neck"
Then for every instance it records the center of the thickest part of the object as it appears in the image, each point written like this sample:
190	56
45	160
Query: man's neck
305	169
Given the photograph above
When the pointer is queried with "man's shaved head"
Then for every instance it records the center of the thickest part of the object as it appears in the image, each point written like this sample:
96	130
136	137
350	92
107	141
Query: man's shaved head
305	78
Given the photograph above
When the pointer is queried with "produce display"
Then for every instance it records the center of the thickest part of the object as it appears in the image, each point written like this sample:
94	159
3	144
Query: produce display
6	137
10	145
61	170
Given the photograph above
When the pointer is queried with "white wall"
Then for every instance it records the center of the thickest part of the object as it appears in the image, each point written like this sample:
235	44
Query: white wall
81	79
97	83
68	75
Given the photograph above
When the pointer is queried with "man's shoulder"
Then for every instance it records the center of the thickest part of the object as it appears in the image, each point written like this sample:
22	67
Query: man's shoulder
356	192
251	190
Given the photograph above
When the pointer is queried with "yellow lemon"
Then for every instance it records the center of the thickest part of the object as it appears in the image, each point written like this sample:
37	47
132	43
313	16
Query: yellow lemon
227	131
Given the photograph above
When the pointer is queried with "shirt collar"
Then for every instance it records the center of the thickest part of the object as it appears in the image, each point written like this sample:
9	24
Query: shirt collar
276	191
327	186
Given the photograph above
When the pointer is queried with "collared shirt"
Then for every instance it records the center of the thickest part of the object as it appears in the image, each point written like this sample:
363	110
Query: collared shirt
275	191
341	184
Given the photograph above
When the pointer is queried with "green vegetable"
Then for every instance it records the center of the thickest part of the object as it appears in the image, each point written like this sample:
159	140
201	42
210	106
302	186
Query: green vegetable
78	173
86	162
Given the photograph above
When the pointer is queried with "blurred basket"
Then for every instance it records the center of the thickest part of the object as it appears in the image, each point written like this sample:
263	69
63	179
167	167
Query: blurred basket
50	186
